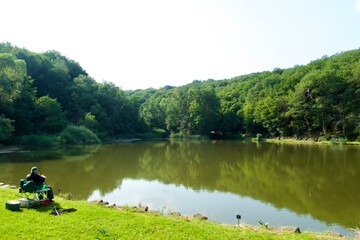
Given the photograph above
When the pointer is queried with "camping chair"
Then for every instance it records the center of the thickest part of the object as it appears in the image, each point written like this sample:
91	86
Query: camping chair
30	188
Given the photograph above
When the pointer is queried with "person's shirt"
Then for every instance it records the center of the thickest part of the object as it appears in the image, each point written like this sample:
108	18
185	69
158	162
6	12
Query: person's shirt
38	179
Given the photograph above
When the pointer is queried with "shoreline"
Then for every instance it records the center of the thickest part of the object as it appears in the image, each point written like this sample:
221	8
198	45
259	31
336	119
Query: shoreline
9	149
292	230
308	142
12	148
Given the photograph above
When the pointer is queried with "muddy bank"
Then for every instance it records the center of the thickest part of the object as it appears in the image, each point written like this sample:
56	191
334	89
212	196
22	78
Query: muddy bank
10	149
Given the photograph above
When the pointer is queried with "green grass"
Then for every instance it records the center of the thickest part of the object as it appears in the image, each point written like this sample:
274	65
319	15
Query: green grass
85	223
293	141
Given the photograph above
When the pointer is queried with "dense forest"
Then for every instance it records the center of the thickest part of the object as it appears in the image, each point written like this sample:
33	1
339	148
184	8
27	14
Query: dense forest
48	98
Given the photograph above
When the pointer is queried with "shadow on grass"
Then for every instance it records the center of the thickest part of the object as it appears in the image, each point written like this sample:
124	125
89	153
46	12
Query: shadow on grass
43	209
38	207
54	209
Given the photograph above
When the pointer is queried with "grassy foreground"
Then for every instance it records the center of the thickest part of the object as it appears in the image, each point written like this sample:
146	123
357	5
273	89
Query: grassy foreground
38	223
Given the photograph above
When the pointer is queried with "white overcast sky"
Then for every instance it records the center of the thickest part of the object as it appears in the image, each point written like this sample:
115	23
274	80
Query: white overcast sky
153	43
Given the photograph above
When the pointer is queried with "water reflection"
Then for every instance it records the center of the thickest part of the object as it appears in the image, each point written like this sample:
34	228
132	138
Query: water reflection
322	181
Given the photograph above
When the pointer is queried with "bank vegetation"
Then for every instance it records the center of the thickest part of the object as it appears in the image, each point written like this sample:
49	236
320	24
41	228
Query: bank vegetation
99	221
47	99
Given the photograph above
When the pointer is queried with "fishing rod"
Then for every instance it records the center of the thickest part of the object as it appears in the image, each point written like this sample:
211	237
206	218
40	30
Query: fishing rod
42	175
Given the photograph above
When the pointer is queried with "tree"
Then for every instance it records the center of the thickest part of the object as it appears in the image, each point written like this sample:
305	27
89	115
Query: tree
270	112
6	128
153	112
204	110
89	122
12	77
49	115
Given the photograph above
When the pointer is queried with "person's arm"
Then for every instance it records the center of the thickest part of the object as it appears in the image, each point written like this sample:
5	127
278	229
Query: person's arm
38	178
28	177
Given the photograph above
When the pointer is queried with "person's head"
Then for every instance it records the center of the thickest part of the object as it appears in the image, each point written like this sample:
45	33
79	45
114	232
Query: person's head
34	170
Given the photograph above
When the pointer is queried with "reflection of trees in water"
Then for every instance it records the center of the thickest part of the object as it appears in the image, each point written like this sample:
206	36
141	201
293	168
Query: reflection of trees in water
319	180
306	179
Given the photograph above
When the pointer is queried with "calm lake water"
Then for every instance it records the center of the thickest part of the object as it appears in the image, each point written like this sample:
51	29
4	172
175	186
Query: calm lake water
310	186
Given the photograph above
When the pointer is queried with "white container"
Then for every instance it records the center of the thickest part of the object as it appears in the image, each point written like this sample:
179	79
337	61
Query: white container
25	202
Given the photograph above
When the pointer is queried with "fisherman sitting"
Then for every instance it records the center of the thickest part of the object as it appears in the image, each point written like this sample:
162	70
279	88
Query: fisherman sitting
39	182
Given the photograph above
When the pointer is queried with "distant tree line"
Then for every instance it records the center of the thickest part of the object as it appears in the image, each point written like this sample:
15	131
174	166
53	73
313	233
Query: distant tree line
318	100
47	94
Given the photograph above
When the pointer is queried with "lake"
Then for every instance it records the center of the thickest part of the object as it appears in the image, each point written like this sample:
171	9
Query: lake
314	187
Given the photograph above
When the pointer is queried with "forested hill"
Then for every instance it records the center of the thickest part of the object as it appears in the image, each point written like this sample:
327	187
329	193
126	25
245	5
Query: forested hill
42	95
48	95
320	99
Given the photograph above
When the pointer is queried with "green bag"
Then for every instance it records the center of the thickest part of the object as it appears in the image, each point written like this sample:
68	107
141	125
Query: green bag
27	186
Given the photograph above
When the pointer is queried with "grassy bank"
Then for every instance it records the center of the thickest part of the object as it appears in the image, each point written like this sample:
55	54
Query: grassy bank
121	223
294	141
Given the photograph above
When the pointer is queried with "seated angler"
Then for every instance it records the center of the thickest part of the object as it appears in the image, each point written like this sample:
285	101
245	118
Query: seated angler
39	182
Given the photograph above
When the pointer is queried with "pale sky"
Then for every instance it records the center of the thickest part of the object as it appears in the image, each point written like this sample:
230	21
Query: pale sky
152	43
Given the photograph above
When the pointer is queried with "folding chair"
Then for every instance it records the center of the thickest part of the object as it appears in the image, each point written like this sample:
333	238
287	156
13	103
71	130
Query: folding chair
29	188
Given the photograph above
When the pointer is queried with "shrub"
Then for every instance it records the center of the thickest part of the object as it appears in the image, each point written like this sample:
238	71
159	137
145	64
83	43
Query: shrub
323	139
259	137
342	140
39	140
78	135
183	136
177	135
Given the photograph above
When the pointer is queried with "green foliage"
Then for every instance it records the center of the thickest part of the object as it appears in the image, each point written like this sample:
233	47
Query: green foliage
89	122
6	128
39	140
12	78
49	115
177	136
342	140
103	232
78	135
262	223
322	138
259	137
44	92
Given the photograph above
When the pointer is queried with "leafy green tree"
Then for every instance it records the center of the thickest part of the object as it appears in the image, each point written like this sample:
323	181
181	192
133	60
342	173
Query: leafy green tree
177	111
153	112
204	110
6	128
49	115
270	112
230	123
83	96
12	77
24	109
16	93
5	47
89	122
105	128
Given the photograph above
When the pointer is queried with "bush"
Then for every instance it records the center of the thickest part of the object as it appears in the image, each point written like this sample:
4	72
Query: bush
183	136
39	140
177	135
78	135
259	137
342	140
323	139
